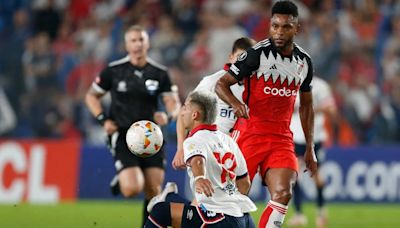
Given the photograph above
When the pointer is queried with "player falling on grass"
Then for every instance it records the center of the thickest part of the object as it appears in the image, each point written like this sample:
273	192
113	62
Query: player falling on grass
274	71
225	117
217	172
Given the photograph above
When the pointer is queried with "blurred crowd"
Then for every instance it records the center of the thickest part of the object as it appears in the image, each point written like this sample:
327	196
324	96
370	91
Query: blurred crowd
53	49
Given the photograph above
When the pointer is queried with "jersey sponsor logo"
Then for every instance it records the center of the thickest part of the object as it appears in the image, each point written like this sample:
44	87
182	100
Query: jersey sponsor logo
282	92
122	86
234	69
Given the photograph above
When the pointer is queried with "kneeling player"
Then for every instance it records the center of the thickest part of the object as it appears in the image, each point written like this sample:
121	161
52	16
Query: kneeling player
217	171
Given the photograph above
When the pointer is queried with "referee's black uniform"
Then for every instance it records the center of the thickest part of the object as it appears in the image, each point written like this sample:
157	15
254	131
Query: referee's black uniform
135	95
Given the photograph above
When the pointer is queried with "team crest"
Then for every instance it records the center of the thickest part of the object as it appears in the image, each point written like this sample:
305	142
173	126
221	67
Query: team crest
242	56
122	86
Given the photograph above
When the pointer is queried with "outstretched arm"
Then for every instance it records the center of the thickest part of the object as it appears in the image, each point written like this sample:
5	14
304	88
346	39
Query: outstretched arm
178	161
306	111
223	90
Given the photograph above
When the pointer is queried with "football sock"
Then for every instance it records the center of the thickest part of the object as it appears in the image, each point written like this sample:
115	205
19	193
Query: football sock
273	215
320	197
175	198
145	213
160	216
297	198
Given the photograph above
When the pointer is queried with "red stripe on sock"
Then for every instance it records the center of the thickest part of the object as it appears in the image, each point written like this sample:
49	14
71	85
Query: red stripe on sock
264	217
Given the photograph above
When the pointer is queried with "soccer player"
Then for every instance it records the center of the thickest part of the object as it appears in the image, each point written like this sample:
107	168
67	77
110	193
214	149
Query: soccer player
225	117
217	172
136	84
324	105
274	71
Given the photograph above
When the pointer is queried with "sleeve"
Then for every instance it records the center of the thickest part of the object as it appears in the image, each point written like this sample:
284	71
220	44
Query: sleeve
246	63
207	84
103	82
166	85
192	148
323	94
306	85
241	169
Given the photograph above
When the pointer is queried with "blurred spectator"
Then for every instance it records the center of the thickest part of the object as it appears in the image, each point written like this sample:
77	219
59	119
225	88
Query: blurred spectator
47	19
8	119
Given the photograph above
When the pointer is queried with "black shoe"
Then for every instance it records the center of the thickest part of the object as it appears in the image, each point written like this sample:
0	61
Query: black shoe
114	186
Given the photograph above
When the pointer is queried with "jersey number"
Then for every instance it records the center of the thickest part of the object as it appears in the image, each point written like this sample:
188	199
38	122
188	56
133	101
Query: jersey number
228	164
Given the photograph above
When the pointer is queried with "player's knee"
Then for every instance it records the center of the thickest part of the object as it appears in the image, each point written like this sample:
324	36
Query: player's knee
152	191
160	215
130	190
282	196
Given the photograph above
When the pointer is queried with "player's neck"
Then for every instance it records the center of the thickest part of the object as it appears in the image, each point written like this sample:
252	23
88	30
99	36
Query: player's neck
286	51
138	61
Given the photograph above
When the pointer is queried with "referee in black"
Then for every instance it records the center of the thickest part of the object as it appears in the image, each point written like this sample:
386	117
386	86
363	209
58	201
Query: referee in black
136	84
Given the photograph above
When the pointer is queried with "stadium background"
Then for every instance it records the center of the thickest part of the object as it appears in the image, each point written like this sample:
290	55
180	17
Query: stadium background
52	151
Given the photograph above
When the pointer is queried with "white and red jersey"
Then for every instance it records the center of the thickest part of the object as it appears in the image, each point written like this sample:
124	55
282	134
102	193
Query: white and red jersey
225	118
322	97
271	83
224	163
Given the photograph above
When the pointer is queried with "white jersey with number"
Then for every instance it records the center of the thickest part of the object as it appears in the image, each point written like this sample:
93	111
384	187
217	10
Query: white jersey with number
322	97
224	163
225	118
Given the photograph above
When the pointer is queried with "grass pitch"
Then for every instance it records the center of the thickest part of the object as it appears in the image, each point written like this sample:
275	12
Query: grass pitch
126	213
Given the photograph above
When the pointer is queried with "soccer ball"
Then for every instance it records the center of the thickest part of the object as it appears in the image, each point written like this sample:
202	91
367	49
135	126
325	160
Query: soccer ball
144	138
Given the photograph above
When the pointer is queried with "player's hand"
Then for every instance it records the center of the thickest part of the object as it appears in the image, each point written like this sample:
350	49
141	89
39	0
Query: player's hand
204	186
178	161
160	118
110	127
241	111
311	160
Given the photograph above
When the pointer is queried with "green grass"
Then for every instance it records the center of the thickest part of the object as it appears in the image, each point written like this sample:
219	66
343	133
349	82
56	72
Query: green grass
128	214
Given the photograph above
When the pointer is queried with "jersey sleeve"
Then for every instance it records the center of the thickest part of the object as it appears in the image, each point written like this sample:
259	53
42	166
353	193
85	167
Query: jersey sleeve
193	148
246	64
306	85
103	81
166	85
207	84
322	94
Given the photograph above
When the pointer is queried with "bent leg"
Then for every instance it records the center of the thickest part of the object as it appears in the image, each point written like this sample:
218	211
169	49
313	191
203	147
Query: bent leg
131	181
280	182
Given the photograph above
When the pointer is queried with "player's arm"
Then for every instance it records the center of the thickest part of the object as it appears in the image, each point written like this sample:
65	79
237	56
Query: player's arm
178	161
223	90
243	184
93	101
172	102
202	185
247	62
306	112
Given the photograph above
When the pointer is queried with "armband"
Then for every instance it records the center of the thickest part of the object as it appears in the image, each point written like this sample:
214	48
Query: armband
101	118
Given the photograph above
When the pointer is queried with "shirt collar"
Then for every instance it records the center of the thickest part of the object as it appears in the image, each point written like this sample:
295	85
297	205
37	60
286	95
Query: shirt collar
209	127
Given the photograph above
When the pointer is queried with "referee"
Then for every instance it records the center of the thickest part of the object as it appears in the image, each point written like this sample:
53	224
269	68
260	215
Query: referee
136	84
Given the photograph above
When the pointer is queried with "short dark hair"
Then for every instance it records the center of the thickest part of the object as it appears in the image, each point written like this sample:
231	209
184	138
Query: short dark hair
285	7
243	43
